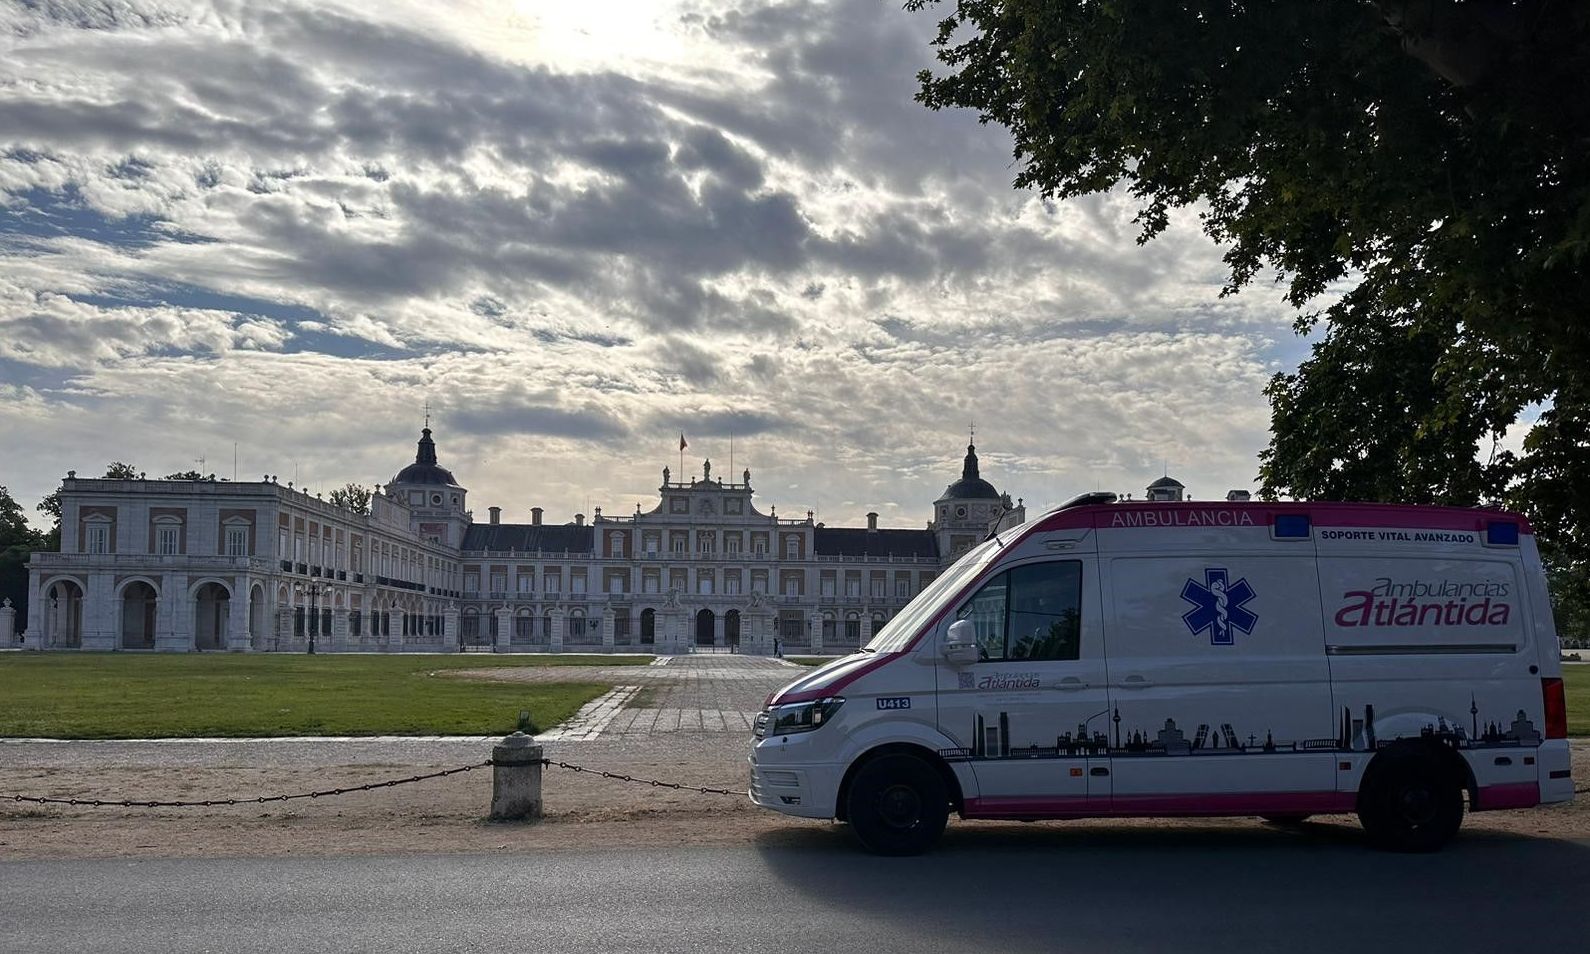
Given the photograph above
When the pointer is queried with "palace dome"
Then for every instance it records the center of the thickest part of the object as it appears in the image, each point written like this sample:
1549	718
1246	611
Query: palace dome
971	486
425	470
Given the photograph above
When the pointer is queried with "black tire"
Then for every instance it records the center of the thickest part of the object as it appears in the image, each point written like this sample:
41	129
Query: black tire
1411	800
1294	818
897	805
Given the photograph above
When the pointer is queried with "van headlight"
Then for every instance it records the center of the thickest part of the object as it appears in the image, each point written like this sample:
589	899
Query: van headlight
798	717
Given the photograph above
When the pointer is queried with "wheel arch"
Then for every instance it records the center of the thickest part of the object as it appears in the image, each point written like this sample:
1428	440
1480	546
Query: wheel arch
951	782
1450	760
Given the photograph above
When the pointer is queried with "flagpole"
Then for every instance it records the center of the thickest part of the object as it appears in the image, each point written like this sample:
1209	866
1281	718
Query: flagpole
731	457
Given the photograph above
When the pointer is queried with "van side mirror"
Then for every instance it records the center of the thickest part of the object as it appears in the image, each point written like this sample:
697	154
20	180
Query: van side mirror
960	643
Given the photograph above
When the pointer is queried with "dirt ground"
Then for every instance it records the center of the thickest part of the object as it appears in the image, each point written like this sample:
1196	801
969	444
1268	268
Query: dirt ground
448	814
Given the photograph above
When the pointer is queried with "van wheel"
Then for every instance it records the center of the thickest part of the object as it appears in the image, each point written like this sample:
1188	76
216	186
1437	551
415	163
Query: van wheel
1410	801
898	805
1296	818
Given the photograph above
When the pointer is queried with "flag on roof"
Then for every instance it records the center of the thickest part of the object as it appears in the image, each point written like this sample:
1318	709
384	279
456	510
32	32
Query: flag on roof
682	442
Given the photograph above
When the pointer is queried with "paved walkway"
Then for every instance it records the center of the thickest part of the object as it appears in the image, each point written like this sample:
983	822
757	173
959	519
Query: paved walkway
692	694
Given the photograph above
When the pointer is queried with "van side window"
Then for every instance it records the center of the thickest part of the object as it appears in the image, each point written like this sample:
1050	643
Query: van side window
1030	612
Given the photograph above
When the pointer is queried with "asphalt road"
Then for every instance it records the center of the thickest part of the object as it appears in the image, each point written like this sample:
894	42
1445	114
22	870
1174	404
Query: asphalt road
1011	891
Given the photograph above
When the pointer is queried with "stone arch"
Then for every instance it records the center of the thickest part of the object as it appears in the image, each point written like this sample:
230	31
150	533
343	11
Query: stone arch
648	625
139	599
706	622
731	628
212	606
63	613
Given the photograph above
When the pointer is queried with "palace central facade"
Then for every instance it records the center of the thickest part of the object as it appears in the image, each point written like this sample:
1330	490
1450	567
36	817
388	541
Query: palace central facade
245	566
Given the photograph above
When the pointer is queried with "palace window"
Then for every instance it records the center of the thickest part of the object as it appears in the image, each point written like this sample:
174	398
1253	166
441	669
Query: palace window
237	541
99	539
167	539
792	548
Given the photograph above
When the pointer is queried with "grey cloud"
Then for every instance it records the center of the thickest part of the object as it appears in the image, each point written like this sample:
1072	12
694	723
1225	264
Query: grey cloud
519	412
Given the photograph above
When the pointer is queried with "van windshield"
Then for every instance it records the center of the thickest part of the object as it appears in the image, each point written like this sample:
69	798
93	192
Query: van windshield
894	636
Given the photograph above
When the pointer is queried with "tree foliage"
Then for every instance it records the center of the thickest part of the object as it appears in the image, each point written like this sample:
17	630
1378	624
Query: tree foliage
17	540
352	497
1416	174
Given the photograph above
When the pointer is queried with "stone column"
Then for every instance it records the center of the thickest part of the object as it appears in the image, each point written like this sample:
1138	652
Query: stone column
555	638
283	637
450	627
35	621
8	623
101	612
237	634
608	636
768	629
174	615
504	629
339	638
814	624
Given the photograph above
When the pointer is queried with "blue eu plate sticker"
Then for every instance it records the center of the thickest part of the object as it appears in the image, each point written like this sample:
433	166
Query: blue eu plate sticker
894	702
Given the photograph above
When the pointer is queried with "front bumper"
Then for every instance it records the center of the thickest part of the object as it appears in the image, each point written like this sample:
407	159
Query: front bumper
804	790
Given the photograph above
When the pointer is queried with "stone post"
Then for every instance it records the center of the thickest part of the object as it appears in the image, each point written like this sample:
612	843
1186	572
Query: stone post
516	779
504	629
8	623
814	625
608	636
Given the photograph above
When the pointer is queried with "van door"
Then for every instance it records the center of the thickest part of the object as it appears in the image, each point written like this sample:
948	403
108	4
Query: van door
1220	687
1029	715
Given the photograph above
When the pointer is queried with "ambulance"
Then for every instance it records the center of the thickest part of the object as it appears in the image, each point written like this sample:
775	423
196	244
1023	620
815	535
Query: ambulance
1127	659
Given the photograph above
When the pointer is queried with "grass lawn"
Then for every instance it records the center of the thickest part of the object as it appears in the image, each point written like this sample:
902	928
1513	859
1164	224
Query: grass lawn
1576	683
120	696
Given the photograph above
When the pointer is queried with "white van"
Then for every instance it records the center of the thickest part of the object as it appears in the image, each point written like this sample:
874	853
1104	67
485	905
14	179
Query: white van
1193	659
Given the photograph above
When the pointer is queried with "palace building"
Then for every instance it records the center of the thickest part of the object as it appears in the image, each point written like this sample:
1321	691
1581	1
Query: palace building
256	566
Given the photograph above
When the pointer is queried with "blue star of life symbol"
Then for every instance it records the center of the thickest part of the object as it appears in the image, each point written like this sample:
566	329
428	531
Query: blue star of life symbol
1218	606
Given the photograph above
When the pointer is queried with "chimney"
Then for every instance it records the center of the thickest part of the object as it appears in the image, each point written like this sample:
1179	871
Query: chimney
579	520
535	516
496	514
1238	496
872	520
598	517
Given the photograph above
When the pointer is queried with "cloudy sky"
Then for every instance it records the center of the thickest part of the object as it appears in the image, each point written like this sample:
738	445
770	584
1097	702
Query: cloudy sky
577	230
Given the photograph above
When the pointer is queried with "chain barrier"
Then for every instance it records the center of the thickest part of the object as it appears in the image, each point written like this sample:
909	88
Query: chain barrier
330	792
259	800
654	783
